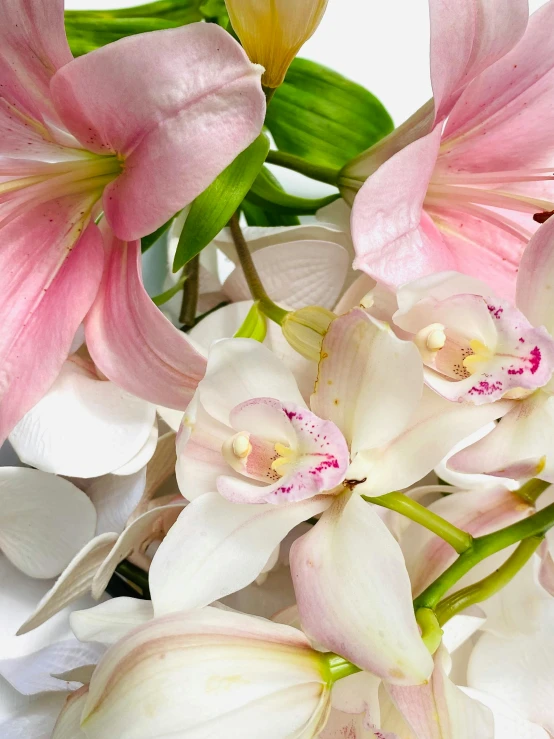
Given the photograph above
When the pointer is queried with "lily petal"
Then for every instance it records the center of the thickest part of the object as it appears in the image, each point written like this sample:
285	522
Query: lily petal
68	725
354	594
109	622
216	548
130	339
44	520
535	294
395	241
42	307
180	128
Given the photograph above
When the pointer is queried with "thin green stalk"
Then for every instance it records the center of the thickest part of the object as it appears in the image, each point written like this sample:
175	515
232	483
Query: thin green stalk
458	539
431	632
191	275
532	490
339	667
490	585
162	298
297	164
482	547
257	290
134	575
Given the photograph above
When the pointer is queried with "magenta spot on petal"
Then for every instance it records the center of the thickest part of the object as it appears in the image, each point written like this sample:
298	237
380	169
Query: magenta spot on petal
521	340
495	312
535	359
485	388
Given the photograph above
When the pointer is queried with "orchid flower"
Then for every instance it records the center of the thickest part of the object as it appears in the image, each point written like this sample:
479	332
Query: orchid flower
224	672
521	445
462	194
67	153
477	348
274	462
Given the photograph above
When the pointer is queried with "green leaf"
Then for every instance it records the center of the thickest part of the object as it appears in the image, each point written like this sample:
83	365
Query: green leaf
89	29
254	325
321	116
268	194
211	210
256	216
147	241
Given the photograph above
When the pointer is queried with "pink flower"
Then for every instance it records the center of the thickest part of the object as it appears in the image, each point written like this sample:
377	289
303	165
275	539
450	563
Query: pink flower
134	130
457	186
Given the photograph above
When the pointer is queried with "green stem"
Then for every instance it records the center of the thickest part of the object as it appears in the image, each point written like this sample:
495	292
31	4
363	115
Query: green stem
340	667
135	575
490	585
168	294
532	490
191	275
257	290
458	539
483	547
431	632
297	164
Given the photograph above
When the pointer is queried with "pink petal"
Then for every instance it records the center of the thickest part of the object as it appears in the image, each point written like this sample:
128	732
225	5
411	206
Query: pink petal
468	37
394	241
33	46
48	279
535	294
504	119
192	102
478	512
354	596
132	342
440	710
320	453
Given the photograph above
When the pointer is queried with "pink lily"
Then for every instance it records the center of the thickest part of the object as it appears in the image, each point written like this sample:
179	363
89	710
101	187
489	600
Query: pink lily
132	130
461	184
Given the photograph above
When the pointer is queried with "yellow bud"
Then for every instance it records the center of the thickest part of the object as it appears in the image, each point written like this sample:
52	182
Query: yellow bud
272	31
305	328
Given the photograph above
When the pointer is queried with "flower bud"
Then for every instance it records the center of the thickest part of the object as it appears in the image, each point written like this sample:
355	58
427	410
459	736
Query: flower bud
209	672
272	31
305	328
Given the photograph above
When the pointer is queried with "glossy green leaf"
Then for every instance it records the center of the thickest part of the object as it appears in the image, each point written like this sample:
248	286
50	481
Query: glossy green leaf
89	29
211	210
321	116
256	216
267	193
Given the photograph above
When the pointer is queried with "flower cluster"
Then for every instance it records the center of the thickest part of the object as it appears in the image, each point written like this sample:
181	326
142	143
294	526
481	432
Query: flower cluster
310	484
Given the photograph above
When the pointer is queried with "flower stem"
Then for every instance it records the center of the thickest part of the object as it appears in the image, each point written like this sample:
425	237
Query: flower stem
458	539
490	585
340	667
134	575
481	548
257	290
431	632
191	288
532	490
297	164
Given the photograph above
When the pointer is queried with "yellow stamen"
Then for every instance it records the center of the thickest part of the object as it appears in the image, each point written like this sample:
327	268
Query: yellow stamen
286	456
481	354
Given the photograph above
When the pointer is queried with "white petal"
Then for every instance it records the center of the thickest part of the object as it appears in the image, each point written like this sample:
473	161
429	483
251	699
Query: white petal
431	433
144	528
507	723
172	417
354	595
109	622
73	582
534	280
81	413
115	498
35	673
296	274
68	725
519	670
44	520
440	285
460	628
217	548
35	719
242	369
142	457
369	381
